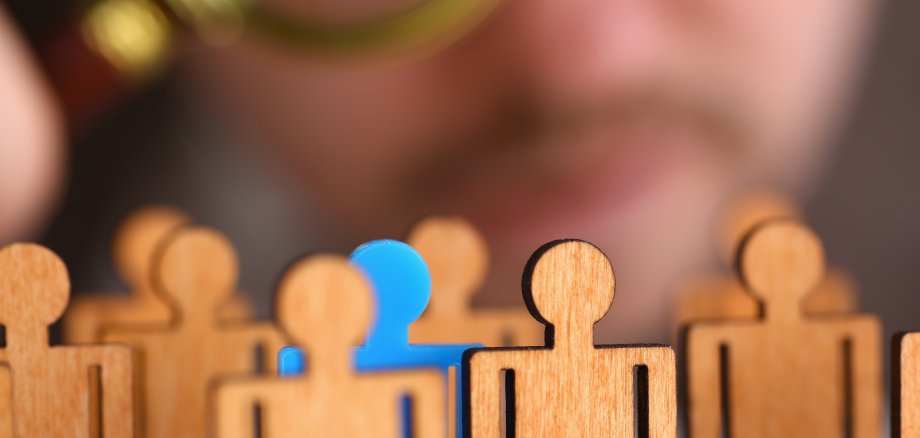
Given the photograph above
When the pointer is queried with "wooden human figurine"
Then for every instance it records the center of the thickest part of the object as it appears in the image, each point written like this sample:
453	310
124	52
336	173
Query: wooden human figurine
570	387
325	295
457	256
905	391
196	270
59	391
786	374
133	248
719	295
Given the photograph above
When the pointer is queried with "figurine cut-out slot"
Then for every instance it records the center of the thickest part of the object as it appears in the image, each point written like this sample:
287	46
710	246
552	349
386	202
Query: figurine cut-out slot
786	374
402	286
59	391
196	271
719	296
324	295
133	247
570	387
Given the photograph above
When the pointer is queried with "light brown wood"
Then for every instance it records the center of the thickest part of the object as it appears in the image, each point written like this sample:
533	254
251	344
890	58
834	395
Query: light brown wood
196	271
50	388
571	387
719	295
785	375
905	392
457	257
6	401
132	252
324	295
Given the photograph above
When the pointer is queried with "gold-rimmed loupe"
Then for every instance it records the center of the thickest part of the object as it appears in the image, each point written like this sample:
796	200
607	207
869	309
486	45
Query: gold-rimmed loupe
428	23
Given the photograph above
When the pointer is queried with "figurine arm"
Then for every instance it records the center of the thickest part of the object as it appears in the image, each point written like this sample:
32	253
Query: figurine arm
131	336
237	308
270	337
6	401
662	391
865	376
232	409
429	402
483	395
704	389
117	381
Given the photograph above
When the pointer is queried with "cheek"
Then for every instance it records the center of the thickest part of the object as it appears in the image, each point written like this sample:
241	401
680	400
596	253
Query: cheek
337	125
796	61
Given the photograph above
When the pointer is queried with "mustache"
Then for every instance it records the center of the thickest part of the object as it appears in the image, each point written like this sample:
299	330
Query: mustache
524	127
706	107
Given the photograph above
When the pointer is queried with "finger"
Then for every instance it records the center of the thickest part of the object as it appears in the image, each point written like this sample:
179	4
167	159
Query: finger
31	140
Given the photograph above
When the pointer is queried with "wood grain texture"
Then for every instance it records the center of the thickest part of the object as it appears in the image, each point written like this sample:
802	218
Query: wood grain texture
196	271
134	244
905	392
719	295
324	294
6	401
784	375
570	387
51	390
457	257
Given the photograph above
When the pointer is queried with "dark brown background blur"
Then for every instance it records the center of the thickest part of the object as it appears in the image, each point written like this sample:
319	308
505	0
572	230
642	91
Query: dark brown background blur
154	148
868	207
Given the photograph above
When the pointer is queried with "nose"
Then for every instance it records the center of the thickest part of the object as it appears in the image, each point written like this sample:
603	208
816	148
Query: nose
575	49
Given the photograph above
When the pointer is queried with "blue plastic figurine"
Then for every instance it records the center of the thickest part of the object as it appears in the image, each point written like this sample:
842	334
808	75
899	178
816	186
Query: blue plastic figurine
402	287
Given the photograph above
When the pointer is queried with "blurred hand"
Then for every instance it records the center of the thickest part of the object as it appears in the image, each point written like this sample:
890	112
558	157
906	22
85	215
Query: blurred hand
31	140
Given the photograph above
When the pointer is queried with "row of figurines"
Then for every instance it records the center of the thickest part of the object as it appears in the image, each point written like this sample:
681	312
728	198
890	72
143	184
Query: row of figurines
194	352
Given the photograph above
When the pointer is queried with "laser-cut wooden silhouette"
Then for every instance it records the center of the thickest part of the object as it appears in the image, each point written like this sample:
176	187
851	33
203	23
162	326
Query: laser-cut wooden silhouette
719	295
196	270
571	387
905	386
785	375
458	258
51	388
325	295
133	249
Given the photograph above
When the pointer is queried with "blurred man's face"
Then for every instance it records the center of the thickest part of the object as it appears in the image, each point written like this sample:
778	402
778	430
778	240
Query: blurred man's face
623	122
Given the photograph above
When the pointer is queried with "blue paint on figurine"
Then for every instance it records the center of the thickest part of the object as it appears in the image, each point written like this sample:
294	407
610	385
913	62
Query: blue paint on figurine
402	288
